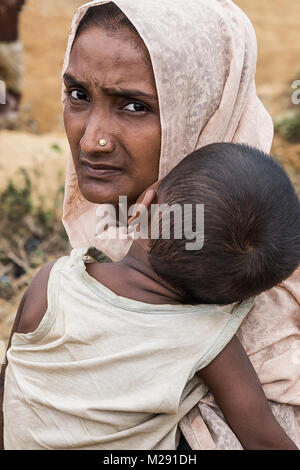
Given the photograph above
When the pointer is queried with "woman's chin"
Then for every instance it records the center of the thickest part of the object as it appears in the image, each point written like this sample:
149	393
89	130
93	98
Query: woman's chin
99	193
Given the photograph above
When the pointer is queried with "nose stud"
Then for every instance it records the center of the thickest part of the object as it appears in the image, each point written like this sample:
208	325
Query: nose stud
102	142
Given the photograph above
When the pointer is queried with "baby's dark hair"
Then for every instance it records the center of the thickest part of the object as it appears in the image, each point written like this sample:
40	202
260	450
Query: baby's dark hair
251	225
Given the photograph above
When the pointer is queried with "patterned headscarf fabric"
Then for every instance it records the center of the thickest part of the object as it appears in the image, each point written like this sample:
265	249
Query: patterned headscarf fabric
203	55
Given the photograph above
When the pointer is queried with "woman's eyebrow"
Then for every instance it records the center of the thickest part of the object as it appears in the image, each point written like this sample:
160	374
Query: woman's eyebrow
114	91
72	81
127	93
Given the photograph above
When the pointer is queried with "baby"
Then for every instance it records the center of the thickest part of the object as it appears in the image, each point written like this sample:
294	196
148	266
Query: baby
112	356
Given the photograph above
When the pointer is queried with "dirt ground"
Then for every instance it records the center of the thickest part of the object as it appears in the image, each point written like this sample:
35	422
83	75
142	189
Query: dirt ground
44	27
277	26
44	30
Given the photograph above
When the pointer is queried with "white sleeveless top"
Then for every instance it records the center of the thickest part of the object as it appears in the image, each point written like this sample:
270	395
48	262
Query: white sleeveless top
105	372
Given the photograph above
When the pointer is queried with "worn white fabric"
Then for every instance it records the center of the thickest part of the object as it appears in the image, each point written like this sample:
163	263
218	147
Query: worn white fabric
106	372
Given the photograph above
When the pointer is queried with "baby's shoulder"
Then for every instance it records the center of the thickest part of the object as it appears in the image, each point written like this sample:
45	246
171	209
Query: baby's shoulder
35	303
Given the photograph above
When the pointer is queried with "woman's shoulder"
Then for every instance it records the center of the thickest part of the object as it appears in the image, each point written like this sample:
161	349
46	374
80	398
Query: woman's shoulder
282	299
273	321
35	301
292	285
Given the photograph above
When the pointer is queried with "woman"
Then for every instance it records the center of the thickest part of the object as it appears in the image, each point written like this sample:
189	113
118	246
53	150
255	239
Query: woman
133	109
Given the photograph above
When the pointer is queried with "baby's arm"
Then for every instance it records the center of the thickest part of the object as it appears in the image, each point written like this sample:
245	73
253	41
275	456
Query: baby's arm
233	382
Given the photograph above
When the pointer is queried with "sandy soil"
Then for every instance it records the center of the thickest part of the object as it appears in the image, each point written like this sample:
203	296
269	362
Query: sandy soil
44	29
277	26
46	154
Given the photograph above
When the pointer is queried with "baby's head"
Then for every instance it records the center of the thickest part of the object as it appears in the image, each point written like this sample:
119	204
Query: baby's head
251	225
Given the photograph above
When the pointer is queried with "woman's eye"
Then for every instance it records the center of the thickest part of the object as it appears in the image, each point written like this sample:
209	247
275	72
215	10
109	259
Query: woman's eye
135	107
76	95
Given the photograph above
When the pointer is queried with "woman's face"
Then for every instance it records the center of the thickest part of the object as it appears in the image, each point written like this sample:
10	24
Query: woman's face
111	95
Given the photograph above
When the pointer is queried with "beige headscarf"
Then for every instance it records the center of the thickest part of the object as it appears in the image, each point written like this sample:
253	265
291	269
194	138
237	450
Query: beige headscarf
204	55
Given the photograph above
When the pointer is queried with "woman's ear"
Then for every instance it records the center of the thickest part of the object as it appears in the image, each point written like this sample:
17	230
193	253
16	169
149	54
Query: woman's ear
150	197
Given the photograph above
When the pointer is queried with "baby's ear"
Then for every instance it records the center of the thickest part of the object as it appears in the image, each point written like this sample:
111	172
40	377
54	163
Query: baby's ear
150	197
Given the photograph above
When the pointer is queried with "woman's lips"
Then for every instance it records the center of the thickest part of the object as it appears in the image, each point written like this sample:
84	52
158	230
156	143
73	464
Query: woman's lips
98	170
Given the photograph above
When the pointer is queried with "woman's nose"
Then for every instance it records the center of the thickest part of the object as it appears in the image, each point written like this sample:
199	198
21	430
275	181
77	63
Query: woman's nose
97	138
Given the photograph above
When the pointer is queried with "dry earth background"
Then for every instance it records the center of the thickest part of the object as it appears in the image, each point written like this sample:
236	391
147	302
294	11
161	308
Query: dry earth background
40	142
